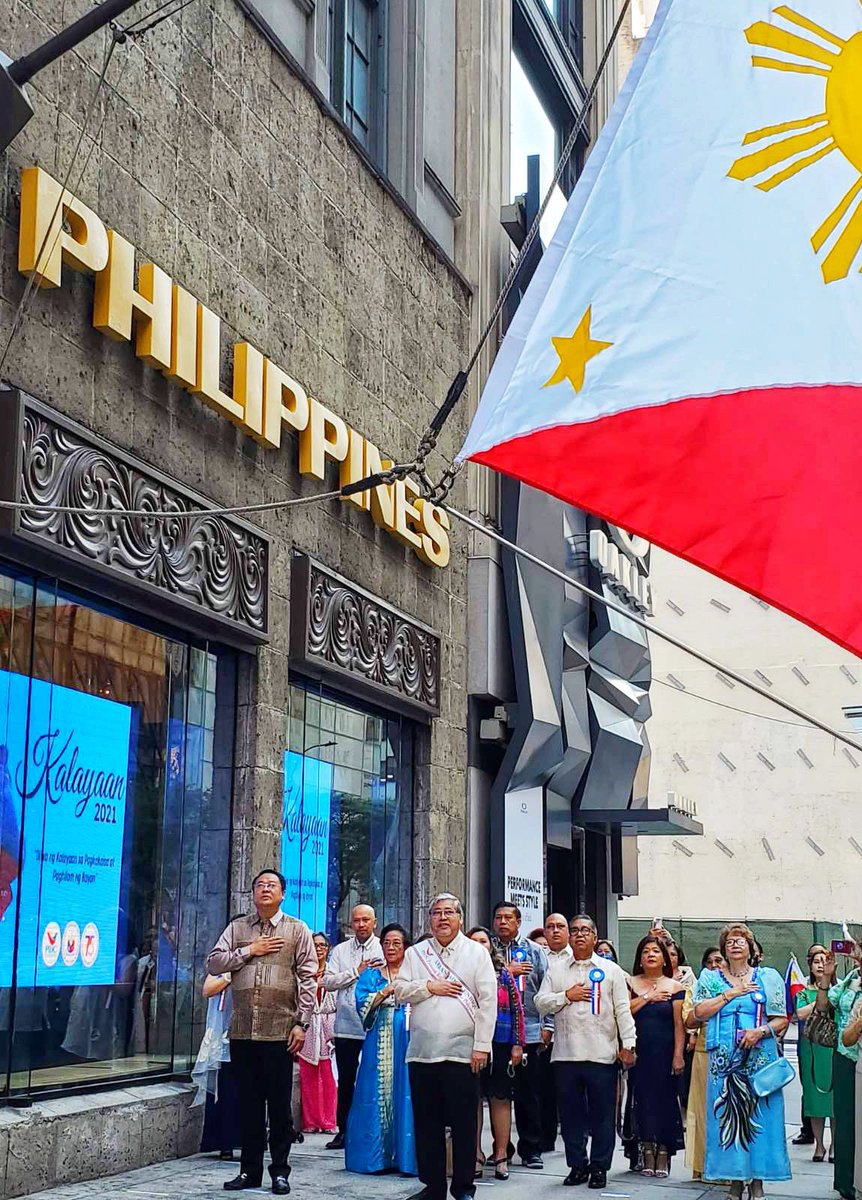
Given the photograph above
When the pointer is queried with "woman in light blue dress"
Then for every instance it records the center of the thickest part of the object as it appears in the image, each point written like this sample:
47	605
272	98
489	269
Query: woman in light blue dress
745	1006
380	1126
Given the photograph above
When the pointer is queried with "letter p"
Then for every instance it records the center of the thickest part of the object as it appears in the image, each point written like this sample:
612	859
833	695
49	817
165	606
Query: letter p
56	228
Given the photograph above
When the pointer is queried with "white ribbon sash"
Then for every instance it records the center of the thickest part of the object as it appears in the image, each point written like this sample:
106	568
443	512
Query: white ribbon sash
437	969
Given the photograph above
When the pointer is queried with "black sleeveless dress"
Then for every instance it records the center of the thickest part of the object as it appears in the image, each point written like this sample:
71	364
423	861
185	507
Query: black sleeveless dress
652	1111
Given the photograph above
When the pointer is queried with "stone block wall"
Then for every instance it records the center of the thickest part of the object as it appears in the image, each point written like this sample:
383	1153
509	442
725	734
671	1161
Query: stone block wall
76	1138
219	164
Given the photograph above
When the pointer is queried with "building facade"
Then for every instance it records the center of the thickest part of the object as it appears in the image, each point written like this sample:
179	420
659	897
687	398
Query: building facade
247	293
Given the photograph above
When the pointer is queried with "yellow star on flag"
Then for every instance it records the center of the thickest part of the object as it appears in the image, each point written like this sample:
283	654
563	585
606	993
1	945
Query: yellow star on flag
575	352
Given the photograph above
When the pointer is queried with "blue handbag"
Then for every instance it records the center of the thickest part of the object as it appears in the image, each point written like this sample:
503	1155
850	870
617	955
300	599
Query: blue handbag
772	1078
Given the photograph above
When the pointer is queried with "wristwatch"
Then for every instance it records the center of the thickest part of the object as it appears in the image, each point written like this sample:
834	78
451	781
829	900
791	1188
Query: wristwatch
304	1025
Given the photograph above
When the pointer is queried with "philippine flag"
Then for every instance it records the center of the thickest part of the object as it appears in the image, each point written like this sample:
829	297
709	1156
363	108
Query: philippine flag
687	360
794	983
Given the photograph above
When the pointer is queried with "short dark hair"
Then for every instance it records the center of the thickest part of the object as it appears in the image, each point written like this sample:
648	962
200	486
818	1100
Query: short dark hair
394	927
507	904
652	940
680	953
270	871
610	946
584	917
708	953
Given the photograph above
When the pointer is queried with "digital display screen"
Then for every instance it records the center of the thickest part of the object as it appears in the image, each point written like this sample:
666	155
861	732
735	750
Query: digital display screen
64	765
305	837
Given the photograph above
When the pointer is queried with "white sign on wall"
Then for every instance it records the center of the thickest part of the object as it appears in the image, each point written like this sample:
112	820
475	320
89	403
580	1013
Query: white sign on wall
525	855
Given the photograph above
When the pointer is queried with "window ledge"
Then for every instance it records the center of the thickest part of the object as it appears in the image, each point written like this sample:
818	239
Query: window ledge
442	193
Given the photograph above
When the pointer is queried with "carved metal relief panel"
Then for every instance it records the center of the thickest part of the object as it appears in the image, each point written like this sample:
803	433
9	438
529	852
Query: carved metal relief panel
212	565
340	630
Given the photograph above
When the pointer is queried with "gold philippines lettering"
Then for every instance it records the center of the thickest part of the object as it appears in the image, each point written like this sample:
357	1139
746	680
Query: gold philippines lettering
176	334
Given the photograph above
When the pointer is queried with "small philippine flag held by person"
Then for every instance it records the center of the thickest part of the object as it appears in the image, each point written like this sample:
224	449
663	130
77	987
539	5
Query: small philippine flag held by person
685	361
794	983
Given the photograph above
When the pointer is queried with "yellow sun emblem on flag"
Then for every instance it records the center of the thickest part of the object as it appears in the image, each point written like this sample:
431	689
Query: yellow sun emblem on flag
838	127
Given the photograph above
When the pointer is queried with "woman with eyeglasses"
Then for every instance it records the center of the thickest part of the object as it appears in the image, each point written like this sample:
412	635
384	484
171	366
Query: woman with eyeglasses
815	1062
380	1135
746	1009
507	1052
652	1125
695	1113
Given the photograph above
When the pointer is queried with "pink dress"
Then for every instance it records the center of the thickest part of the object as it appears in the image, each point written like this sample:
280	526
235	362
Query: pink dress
316	1081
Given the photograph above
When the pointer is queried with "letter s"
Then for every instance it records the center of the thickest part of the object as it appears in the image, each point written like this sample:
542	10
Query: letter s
435	549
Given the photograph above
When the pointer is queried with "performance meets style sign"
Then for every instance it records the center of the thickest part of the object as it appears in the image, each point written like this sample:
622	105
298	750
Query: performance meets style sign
525	854
64	772
305	836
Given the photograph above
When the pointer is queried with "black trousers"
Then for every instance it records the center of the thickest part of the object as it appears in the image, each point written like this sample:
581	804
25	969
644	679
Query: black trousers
587	1099
548	1114
264	1075
445	1093
347	1052
527	1103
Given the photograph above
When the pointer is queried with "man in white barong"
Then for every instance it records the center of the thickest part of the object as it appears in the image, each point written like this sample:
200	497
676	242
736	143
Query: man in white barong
451	987
594	1033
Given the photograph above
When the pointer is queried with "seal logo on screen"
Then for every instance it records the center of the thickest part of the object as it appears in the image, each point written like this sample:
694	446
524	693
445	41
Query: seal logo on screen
51	944
71	943
90	944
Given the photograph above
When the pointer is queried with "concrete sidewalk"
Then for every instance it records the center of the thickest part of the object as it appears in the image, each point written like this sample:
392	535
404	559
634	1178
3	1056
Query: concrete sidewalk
320	1173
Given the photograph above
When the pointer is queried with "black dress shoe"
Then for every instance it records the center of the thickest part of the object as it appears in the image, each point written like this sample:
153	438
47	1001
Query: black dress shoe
576	1176
241	1182
337	1142
803	1139
427	1194
280	1186
598	1179
533	1161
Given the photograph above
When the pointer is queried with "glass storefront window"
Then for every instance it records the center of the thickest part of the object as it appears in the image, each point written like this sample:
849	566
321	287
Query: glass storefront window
116	747
347	826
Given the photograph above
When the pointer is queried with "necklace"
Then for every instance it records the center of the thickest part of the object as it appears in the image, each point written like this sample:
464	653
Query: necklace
740	974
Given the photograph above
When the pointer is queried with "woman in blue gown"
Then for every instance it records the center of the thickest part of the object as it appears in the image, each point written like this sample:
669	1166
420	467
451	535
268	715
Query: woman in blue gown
380	1125
746	1009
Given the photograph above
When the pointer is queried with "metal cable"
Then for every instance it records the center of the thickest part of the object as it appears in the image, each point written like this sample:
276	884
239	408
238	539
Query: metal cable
162	514
133	30
533	231
31	282
436	493
655	630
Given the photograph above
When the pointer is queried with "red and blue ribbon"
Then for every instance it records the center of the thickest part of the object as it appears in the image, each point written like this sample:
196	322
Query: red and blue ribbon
597	975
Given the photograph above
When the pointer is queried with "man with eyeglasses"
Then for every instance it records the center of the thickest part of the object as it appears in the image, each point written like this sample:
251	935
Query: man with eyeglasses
273	968
594	1031
556	930
451	986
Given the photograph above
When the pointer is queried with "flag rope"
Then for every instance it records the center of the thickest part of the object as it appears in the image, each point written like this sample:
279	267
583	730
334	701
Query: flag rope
656	630
437	492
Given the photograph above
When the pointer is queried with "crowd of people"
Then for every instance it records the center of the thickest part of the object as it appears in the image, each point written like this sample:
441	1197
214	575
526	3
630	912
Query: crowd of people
546	1028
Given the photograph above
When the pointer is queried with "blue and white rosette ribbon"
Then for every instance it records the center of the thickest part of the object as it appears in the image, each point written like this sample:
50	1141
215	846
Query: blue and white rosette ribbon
760	1000
597	976
519	955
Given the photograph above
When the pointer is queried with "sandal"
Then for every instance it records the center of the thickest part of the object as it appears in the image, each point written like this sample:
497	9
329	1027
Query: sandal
480	1167
501	1167
662	1167
819	1157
